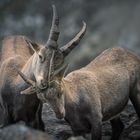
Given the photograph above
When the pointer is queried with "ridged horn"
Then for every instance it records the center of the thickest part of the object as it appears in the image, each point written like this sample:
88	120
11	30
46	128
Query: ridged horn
74	42
24	77
54	32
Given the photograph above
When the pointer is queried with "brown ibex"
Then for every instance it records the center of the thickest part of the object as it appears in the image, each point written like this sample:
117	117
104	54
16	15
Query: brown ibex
23	58
97	92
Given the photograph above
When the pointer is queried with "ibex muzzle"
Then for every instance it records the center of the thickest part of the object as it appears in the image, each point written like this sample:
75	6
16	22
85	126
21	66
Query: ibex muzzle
49	58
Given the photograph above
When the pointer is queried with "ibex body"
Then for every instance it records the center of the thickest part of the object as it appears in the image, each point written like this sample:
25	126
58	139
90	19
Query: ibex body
16	107
26	68
97	92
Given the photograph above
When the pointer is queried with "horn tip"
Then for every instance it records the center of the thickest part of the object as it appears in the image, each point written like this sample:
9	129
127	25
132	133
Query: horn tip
84	23
21	92
53	6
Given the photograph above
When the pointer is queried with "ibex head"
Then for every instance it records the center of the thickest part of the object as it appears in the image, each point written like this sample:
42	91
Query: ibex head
54	94
49	58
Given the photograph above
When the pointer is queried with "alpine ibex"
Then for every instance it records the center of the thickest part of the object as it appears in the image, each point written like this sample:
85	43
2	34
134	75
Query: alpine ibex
97	92
23	58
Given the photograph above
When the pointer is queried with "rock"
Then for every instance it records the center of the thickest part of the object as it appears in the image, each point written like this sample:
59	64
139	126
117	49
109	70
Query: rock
21	132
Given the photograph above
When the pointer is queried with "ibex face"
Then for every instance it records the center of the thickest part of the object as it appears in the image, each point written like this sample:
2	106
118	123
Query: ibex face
54	95
43	64
49	58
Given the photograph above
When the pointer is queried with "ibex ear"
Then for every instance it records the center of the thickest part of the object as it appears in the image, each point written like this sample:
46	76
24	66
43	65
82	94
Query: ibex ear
34	46
28	91
61	72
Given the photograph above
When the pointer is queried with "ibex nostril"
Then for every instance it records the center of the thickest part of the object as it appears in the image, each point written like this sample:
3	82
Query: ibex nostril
43	83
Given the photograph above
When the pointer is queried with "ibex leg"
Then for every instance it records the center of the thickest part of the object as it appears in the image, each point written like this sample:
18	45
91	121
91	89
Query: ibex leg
38	123
8	119
117	128
135	98
96	131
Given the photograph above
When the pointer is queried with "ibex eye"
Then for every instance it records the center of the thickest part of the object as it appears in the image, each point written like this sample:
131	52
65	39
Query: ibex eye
59	95
41	58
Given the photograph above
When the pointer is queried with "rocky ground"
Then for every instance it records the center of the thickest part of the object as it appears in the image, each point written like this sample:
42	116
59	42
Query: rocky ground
21	132
59	129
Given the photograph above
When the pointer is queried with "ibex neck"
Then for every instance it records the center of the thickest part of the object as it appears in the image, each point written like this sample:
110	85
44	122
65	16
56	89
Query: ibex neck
26	70
69	92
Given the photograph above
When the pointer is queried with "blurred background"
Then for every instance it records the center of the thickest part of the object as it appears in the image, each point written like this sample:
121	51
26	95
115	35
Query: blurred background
109	23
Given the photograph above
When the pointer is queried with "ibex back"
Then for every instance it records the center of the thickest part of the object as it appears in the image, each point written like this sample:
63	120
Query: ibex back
26	67
97	92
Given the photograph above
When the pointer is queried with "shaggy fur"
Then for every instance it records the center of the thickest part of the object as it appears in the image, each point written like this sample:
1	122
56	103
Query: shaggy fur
97	92
17	107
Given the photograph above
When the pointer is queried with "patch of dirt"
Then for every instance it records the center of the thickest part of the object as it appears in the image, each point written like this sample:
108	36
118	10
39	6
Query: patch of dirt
62	130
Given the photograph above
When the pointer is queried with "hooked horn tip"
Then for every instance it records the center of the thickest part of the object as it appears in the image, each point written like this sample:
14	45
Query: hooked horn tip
84	24
53	6
21	92
54	9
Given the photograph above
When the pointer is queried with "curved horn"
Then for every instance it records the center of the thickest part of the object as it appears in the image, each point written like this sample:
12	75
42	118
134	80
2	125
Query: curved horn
24	77
74	42
54	32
